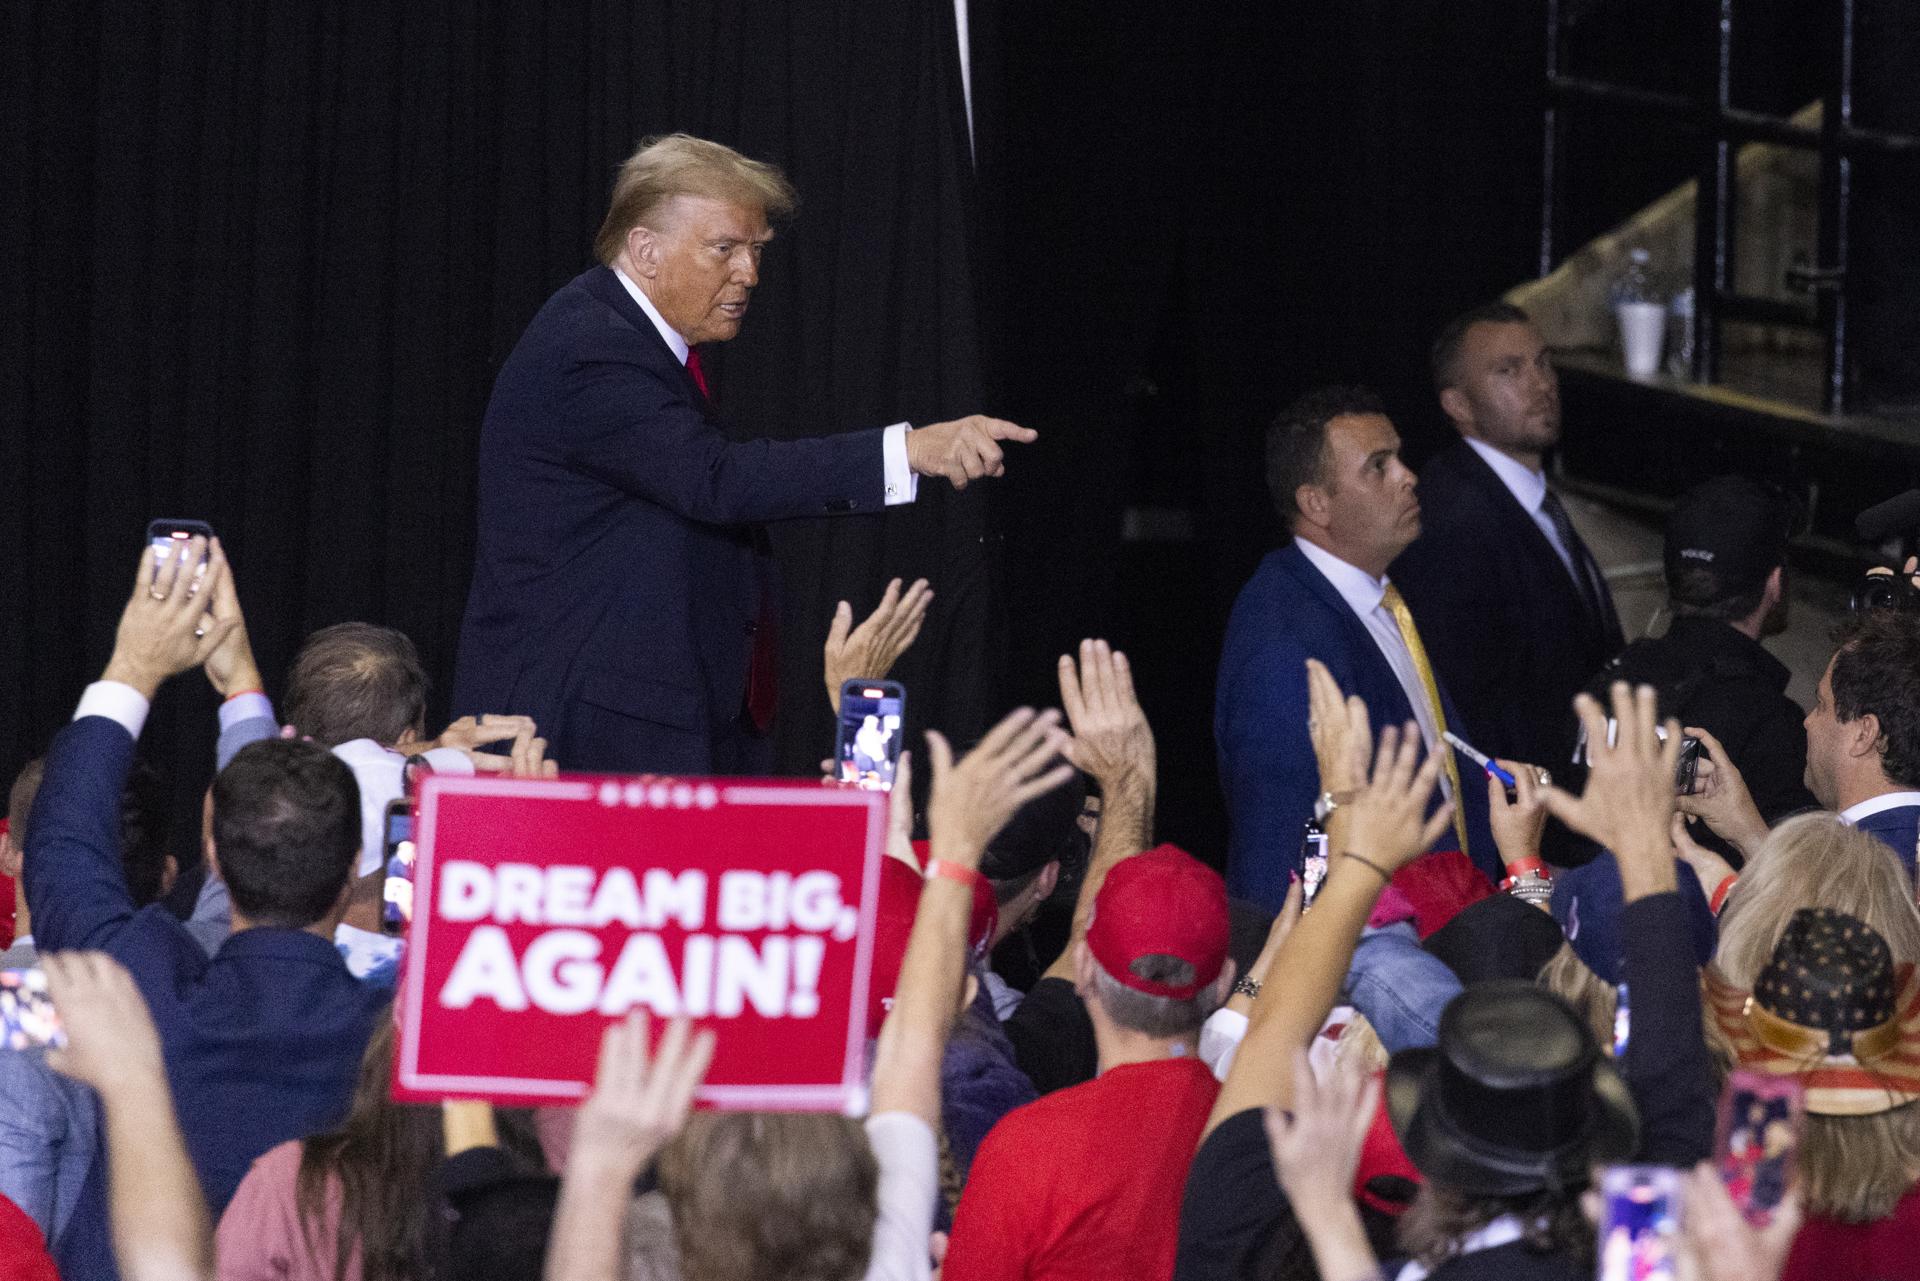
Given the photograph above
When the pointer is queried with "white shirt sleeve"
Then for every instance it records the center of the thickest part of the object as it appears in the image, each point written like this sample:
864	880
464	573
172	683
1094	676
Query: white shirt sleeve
909	1159
1220	1038
116	702
902	485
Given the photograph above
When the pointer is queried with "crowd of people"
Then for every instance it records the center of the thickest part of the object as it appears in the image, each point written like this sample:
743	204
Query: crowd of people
1536	951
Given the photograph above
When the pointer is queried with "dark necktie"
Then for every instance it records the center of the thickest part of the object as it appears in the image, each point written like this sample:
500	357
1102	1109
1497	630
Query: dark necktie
1586	573
762	694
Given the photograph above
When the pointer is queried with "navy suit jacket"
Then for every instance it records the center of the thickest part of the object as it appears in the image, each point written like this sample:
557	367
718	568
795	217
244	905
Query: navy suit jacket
1899	828
615	580
1287	613
263	1040
1501	617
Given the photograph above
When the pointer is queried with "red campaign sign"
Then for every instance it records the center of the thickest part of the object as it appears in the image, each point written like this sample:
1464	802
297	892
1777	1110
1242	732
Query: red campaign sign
545	908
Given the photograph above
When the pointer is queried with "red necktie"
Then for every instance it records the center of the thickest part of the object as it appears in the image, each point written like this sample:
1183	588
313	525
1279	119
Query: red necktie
699	374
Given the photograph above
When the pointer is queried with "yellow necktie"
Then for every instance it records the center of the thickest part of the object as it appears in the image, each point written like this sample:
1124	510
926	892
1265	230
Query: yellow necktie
1403	619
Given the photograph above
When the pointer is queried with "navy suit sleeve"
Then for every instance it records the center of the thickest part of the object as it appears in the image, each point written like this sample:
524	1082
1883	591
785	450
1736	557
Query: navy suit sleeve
1267	767
76	889
1666	1064
626	426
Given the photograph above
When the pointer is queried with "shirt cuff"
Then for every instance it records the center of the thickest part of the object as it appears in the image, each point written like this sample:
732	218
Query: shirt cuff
902	485
120	703
252	705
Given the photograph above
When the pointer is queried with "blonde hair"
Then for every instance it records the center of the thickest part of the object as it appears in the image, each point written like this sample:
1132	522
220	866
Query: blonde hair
680	164
1592	997
1814	860
1852	1168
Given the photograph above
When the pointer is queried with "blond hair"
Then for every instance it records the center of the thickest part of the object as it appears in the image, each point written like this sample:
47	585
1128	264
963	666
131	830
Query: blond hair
1592	997
680	164
1852	1168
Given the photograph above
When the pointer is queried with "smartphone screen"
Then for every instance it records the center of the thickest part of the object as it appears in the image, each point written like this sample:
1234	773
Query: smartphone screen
867	748
1622	1022
27	1016
169	538
1640	1225
1313	863
396	888
1758	1140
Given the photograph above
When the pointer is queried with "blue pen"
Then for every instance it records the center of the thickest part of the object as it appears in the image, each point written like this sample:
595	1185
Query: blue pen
1479	758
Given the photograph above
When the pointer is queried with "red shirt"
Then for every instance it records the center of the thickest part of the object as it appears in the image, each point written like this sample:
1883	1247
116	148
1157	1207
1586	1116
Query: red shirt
1885	1250
23	1254
1085	1182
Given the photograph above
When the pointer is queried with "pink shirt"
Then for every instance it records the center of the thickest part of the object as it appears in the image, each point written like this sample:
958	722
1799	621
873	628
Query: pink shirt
260	1237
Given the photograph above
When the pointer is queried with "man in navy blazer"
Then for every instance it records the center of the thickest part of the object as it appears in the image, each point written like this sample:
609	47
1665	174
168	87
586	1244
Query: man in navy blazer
263	1039
621	591
1863	732
1520	615
1334	469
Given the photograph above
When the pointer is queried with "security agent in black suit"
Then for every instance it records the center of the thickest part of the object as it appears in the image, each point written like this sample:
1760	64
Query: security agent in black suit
1513	607
621	584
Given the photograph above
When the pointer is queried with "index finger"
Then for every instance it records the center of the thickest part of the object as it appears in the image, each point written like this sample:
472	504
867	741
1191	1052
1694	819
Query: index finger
1001	429
1070	692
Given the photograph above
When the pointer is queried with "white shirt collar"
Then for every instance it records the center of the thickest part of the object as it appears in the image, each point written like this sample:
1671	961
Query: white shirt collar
1361	590
1504	1230
1528	487
668	332
1878	805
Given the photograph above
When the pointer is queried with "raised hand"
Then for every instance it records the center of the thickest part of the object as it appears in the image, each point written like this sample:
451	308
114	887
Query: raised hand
165	628
111	1041
639	1103
1628	805
471	733
1720	797
230	665
972	799
1316	1150
1516	824
965	449
1724	1246
1341	732
869	651
1111	738
1386	823
1707	865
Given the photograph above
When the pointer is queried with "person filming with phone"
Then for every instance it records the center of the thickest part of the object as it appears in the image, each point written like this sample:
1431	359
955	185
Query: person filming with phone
622	592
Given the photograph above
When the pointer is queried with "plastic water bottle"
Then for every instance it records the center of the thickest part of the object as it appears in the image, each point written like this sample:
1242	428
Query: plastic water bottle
1642	315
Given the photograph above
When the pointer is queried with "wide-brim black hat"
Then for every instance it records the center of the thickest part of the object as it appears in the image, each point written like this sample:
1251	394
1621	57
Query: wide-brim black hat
1515	1098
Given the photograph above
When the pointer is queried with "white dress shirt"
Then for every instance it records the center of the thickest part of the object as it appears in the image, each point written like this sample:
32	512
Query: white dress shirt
1529	489
902	486
1365	595
1876	805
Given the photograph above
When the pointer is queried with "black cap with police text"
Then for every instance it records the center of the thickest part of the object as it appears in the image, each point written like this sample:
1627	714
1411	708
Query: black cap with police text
1735	529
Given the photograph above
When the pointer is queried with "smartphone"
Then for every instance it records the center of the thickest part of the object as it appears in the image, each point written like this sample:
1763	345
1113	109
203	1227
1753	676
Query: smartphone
27	1017
1622	1022
1686	772
866	750
1640	1223
1757	1143
169	538
1313	863
396	886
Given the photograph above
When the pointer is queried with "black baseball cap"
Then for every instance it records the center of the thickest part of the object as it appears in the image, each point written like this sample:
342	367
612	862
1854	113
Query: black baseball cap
1734	528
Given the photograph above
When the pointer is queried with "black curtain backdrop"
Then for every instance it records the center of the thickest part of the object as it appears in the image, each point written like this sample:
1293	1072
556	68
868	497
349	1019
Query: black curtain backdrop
261	260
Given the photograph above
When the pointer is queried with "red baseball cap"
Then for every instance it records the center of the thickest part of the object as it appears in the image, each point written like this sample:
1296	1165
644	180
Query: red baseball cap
900	888
1164	902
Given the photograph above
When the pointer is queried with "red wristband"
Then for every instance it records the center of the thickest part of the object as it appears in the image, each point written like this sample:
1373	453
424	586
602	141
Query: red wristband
1721	891
241	693
967	876
1531	863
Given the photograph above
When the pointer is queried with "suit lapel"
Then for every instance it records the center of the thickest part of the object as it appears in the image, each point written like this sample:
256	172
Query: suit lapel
1360	642
1522	531
606	286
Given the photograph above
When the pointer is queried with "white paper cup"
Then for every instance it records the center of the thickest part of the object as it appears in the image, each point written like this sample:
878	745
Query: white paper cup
1643	329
